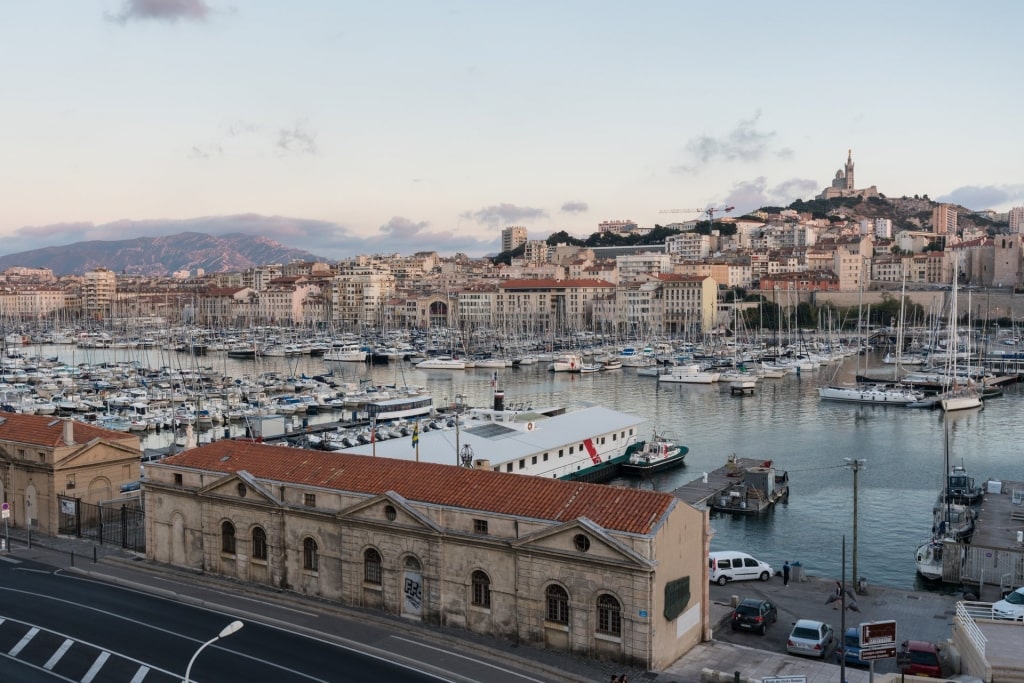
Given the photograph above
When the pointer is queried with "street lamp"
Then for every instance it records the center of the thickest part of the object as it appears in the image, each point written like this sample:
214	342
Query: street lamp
225	632
856	466
460	401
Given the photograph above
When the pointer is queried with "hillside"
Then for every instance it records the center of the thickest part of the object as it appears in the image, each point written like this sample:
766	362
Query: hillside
160	255
906	213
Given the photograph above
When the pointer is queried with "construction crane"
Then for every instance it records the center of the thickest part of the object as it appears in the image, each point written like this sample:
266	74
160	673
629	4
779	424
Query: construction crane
709	212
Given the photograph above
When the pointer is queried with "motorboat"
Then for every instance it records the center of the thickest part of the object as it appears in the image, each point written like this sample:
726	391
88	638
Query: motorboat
658	454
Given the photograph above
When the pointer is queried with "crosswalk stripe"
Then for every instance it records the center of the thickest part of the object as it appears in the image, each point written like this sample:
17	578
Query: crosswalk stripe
24	641
140	674
52	661
95	668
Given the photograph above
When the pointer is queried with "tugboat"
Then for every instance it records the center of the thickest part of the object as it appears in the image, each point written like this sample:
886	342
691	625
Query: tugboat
961	489
658	454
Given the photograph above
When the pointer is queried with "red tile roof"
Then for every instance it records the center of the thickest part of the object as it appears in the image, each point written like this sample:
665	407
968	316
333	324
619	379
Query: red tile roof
612	507
48	431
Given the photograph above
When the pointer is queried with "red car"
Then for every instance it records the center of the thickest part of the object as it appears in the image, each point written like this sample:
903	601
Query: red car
924	659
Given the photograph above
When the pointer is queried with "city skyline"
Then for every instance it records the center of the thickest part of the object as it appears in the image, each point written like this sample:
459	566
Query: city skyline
342	128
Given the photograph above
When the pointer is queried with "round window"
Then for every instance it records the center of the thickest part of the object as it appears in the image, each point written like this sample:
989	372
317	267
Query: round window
390	513
581	542
242	490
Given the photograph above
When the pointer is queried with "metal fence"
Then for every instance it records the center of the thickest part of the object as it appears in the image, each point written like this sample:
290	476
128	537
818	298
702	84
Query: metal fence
120	523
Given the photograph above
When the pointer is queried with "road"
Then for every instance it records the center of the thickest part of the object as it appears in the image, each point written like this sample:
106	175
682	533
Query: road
61	626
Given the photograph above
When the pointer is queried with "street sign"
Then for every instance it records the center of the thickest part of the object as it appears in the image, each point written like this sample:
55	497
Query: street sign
785	679
5	511
877	653
878	634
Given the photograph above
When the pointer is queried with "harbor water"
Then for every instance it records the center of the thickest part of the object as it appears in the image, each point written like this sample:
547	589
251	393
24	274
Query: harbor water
783	421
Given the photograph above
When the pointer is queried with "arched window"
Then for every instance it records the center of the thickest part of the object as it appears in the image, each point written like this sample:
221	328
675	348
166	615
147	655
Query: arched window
310	555
609	615
481	589
227	538
259	544
372	567
412	564
558	605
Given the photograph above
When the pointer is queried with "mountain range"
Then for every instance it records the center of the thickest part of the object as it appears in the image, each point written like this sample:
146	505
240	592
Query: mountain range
162	255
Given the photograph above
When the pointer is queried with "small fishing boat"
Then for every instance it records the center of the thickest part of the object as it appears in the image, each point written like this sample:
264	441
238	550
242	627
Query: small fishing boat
658	454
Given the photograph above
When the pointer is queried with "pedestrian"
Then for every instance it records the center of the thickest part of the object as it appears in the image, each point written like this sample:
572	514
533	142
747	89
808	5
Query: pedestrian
615	678
785	573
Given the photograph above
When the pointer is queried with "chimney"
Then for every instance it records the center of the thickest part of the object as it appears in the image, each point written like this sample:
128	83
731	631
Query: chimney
69	432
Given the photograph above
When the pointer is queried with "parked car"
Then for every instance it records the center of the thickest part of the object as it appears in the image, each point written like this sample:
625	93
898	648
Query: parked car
729	565
754	615
924	659
1010	607
811	638
850	649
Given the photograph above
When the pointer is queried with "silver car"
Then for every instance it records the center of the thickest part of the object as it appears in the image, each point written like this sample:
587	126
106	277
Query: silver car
811	639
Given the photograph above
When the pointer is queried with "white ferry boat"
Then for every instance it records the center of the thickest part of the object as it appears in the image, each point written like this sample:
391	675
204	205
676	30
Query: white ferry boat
586	445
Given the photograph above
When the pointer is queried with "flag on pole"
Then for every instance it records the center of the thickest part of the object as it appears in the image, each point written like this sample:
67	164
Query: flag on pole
415	434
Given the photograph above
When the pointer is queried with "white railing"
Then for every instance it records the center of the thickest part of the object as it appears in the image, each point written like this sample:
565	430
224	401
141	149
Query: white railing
966	612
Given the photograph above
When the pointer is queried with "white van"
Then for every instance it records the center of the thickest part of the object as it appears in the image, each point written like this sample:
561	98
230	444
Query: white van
729	565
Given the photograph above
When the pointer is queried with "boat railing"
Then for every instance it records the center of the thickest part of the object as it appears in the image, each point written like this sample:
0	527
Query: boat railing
967	611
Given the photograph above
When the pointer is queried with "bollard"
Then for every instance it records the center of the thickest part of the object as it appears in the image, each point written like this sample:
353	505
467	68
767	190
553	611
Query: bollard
94	554
736	677
72	558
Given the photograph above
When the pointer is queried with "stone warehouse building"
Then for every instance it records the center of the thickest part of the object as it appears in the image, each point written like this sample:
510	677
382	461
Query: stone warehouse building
43	456
598	571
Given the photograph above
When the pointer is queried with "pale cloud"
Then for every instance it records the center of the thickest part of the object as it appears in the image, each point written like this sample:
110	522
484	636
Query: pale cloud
248	138
749	195
744	143
504	214
985	196
575	207
296	140
162	10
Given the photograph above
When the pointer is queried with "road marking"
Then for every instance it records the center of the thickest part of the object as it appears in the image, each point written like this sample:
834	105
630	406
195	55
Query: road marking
471	659
23	642
95	668
52	661
35	571
10	559
140	674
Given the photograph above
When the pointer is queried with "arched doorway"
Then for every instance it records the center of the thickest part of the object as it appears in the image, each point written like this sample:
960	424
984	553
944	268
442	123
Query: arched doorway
412	589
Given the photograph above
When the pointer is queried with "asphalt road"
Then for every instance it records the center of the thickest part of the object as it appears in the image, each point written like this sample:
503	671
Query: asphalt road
63	627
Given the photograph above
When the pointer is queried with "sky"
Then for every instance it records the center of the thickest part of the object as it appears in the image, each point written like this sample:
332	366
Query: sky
399	126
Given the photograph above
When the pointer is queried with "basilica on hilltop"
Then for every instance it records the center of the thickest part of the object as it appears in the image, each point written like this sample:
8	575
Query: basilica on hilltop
842	185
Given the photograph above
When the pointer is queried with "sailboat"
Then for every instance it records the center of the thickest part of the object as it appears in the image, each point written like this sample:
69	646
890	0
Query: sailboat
879	393
952	524
963	393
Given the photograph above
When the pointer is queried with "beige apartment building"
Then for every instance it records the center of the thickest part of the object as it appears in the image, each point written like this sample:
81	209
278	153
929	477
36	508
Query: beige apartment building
548	304
42	456
98	293
513	237
597	571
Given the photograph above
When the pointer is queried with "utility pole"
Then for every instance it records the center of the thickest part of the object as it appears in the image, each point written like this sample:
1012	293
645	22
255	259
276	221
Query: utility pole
856	466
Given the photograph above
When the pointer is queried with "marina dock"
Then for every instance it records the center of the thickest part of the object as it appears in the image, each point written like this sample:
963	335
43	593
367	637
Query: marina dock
743	486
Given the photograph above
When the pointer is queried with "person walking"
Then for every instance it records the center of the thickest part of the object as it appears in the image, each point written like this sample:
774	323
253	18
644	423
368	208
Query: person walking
785	573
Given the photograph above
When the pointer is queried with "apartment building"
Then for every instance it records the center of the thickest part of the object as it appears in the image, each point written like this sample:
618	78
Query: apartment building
513	237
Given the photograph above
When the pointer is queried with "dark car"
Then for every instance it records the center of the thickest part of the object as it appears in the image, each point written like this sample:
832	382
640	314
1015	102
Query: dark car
924	659
754	615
